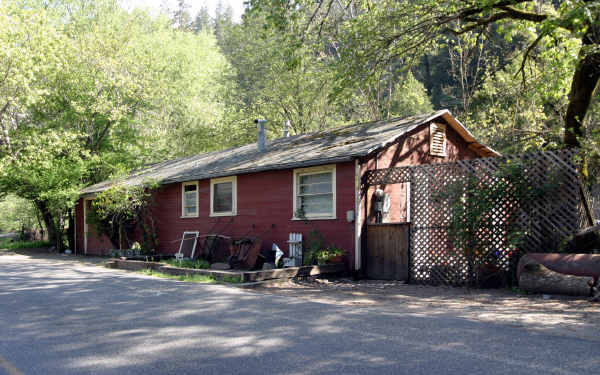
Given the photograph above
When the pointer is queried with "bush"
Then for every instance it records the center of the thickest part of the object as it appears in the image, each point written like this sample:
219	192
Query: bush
328	255
9	245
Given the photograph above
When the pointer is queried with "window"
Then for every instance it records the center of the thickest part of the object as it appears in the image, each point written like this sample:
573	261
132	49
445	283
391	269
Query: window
314	193
189	199
223	196
437	139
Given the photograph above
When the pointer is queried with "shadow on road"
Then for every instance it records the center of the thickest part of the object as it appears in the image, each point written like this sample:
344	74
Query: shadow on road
72	317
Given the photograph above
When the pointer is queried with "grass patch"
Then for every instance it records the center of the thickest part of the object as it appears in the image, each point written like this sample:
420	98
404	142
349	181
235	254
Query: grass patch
198	264
9	245
205	279
232	279
193	278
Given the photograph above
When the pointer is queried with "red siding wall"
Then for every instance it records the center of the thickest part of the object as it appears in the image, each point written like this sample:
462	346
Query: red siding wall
265	209
411	149
96	245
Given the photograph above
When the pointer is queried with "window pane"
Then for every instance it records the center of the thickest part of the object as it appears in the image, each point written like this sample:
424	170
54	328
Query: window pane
315	183
190	199
315	178
190	193
222	195
324	187
316	204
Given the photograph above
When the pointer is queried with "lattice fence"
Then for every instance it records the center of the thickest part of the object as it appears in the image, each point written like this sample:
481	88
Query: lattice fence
544	221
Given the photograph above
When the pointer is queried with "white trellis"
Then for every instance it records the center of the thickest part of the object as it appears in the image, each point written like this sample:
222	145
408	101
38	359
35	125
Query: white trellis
295	248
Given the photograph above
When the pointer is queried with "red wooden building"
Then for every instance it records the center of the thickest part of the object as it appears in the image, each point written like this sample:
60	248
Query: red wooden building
257	190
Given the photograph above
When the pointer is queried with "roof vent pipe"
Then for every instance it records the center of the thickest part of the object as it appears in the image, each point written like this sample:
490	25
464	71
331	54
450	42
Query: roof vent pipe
286	129
262	137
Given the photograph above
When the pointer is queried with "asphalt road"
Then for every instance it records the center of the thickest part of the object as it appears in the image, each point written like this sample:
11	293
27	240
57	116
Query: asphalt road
72	318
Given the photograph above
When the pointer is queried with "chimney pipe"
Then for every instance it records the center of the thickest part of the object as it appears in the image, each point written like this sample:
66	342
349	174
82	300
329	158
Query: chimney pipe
286	129
262	138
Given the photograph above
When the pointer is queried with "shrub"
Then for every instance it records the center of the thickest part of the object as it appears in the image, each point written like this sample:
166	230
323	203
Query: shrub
9	245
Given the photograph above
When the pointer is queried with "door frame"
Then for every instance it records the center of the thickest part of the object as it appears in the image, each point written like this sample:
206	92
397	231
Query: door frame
85	224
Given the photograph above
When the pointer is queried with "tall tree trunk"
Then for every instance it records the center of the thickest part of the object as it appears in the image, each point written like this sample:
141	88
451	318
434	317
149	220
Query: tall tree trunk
48	219
584	85
39	220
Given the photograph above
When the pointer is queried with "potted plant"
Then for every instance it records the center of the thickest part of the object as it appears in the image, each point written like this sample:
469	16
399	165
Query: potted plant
329	255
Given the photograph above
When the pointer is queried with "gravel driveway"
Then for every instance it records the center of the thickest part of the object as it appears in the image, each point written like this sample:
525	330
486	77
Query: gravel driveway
569	316
66	317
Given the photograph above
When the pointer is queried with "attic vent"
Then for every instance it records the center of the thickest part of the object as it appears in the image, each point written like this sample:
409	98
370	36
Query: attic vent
437	139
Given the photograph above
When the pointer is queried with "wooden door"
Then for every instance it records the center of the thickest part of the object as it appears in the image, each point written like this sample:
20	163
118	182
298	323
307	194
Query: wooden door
387	251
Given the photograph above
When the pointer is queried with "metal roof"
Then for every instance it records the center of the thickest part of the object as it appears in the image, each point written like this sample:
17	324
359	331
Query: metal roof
323	147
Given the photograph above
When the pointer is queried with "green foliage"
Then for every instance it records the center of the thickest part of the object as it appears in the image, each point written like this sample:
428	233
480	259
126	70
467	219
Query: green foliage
515	115
283	77
17	214
367	38
232	279
49	167
194	264
409	97
484	212
92	91
314	242
276	85
204	279
327	255
10	245
119	210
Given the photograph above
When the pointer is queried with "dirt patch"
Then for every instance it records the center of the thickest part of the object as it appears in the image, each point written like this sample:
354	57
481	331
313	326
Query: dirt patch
555	314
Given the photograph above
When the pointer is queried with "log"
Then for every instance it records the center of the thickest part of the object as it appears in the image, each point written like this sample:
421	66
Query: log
536	278
569	264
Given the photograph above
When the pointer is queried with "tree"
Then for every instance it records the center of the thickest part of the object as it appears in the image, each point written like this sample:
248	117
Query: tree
49	172
203	21
223	21
409	98
182	20
375	32
18	215
298	85
93	86
516	116
275	85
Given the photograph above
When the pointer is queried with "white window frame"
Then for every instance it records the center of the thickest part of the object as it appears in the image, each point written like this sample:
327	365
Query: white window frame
233	180
315	170
183	185
179	254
